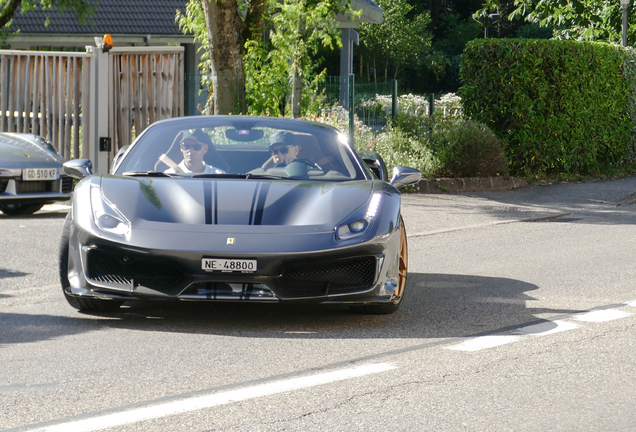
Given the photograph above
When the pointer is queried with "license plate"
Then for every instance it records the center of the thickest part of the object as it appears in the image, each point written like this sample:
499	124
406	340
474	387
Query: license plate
38	174
228	265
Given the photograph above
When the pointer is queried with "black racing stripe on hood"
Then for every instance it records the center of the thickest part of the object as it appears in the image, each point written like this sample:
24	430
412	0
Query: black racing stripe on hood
207	201
256	189
215	219
258	217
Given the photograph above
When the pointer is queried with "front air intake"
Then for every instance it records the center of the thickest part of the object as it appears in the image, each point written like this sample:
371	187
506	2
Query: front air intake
327	277
124	269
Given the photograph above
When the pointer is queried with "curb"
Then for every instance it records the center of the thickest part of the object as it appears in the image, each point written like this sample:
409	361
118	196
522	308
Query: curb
469	184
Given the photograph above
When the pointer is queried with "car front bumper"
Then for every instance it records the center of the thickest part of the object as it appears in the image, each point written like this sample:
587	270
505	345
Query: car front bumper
16	191
365	273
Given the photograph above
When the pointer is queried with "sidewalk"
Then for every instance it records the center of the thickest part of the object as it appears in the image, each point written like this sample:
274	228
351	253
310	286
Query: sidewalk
469	184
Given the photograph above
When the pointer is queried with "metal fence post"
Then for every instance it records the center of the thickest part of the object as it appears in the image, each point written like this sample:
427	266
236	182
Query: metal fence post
99	110
351	109
431	104
394	101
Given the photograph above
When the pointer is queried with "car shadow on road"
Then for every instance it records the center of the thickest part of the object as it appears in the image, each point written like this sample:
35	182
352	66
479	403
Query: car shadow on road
436	306
43	215
4	273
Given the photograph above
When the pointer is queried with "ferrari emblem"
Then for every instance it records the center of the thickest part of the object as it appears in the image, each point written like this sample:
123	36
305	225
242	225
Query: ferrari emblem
230	240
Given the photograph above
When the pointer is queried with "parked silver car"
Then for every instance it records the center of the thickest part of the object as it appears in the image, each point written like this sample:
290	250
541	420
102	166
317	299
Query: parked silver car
31	174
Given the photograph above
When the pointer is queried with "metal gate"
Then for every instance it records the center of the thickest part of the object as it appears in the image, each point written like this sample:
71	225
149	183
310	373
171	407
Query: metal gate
75	100
147	86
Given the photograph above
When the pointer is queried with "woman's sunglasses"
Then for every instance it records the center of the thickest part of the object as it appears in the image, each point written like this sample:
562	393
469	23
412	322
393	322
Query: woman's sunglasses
195	147
282	150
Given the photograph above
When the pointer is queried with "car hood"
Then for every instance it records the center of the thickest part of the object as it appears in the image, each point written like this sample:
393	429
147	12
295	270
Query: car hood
320	205
23	154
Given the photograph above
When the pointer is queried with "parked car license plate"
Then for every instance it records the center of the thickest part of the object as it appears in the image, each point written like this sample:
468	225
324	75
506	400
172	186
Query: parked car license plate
33	174
228	265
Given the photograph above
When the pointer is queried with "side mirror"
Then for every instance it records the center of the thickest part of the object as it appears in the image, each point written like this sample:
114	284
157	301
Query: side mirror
78	168
375	163
404	176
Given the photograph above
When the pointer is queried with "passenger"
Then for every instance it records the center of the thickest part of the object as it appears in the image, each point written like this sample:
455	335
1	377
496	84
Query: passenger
193	152
283	149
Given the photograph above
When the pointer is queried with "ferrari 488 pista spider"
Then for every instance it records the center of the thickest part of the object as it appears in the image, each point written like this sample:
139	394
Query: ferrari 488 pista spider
232	208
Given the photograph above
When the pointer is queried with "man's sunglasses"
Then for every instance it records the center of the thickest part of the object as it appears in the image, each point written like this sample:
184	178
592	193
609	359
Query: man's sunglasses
282	150
195	147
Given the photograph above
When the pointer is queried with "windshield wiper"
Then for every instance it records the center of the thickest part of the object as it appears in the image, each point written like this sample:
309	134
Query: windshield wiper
222	175
265	176
147	174
239	176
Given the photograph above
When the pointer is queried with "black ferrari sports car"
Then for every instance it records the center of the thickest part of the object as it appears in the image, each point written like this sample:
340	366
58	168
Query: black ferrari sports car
233	208
31	174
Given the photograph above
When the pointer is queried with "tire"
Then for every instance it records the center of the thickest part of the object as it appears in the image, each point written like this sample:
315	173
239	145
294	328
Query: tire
80	303
20	209
389	308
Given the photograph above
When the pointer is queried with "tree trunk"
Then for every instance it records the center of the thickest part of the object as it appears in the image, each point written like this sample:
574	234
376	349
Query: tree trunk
297	67
8	11
225	28
254	25
375	72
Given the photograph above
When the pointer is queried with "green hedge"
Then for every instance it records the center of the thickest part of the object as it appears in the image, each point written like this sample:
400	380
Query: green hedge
442	147
558	106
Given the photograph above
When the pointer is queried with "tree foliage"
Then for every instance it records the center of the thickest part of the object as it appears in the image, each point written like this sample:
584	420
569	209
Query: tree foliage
401	40
81	8
578	19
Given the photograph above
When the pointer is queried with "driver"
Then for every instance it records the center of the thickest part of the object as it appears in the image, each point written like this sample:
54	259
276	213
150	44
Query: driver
283	149
193	152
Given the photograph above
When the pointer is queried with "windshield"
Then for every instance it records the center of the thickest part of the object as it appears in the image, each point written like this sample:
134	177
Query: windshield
242	147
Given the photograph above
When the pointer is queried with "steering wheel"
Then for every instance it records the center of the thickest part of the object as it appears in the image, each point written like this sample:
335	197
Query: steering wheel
308	163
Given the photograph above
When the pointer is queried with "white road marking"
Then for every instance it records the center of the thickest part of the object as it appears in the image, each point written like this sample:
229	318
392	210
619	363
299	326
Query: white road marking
602	315
201	402
484	342
632	303
546	328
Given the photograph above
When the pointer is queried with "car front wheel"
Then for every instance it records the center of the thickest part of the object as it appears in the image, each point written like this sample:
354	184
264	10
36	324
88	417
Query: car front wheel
389	308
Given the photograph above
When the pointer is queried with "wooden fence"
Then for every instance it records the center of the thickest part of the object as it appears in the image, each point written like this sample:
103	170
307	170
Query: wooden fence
147	87
42	93
58	95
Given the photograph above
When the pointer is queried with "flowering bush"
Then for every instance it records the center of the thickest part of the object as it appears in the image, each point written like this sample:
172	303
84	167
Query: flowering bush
364	137
438	146
416	104
454	147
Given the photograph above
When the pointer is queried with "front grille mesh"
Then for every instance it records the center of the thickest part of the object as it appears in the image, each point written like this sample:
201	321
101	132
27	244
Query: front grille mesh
329	277
36	186
67	184
123	269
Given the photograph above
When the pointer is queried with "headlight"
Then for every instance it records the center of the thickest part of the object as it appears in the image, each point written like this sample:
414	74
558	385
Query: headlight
359	222
106	216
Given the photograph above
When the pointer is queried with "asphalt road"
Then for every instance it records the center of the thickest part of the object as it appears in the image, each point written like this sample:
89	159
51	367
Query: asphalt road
520	316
